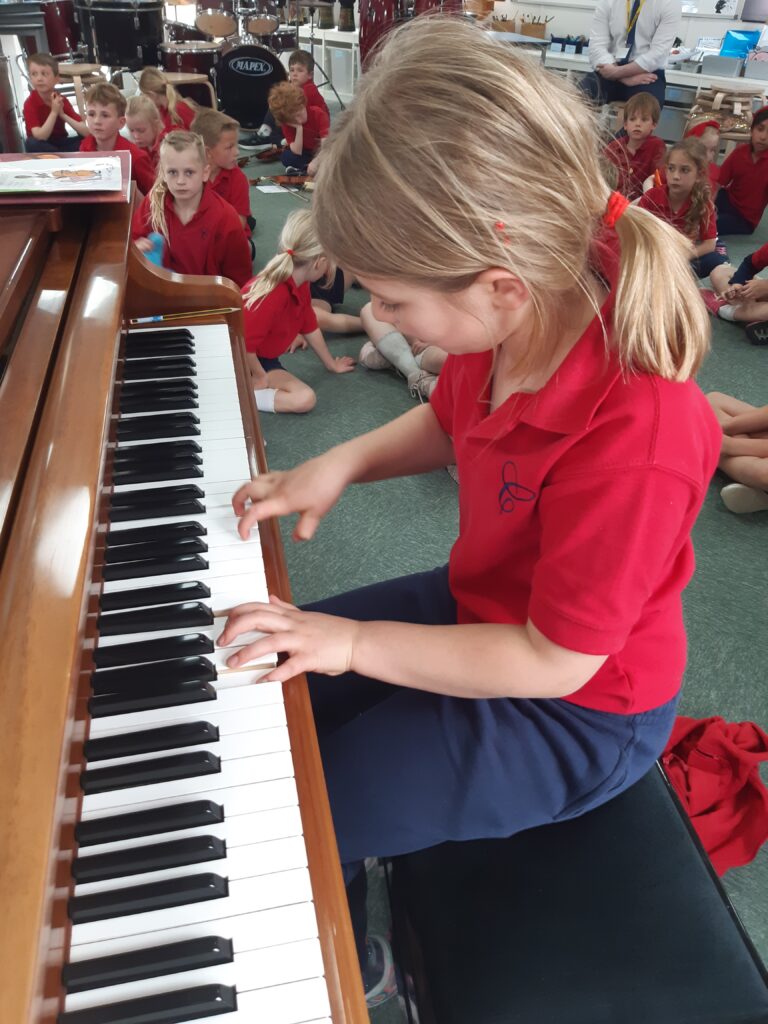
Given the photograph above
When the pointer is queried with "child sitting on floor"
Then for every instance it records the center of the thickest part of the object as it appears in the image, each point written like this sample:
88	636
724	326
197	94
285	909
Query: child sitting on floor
47	113
203	233
105	116
743	196
142	118
325	299
303	126
175	112
744	455
277	308
746	299
301	66
389	349
708	133
219	133
639	152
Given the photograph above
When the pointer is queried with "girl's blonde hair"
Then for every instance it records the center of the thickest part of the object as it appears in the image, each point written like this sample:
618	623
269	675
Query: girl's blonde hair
152	80
140	105
701	194
177	141
530	197
298	246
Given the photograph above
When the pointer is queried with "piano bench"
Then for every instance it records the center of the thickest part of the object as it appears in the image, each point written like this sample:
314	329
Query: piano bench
615	917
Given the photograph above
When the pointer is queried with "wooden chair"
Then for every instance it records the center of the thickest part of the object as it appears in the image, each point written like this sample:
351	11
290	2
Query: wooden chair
182	78
80	77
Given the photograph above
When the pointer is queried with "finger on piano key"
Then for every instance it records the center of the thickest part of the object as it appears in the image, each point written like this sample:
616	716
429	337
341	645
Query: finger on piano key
245	896
216	659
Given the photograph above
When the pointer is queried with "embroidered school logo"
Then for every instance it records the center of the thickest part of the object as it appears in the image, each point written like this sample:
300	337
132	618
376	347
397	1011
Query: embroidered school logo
511	491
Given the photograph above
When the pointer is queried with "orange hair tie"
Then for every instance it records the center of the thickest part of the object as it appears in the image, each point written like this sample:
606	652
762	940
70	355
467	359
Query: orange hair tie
617	204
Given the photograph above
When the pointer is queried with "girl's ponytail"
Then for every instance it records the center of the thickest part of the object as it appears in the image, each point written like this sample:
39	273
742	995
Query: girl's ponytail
298	245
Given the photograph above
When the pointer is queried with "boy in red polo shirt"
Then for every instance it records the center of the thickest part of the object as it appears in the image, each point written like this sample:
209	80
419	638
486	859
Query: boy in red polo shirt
303	127
105	116
537	675
203	233
278	310
639	152
743	196
301	66
46	113
219	133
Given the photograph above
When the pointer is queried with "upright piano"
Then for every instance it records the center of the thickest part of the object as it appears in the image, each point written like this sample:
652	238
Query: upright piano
167	852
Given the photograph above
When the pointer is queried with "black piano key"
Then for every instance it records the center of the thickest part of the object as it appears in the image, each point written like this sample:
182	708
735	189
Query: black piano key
127	513
169	350
156	473
188	645
106	705
156	675
157	566
174	616
156	403
100	867
143	597
150	741
150	772
149	534
164	451
156	369
141	899
142	964
155	549
159	336
142	428
167	1008
157	495
121	828
155	463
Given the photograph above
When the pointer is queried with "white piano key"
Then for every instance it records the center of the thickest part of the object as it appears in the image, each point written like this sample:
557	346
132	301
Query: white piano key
254	969
303	1002
239	863
245	896
242	772
238	830
257	930
252	694
228	748
230	723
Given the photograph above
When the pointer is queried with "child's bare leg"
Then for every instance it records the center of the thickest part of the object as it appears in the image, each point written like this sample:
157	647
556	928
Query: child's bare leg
292	394
720	277
726	407
335	323
746	312
745	469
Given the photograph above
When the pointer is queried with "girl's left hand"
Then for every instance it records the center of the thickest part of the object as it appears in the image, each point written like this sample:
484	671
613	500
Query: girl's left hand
313	642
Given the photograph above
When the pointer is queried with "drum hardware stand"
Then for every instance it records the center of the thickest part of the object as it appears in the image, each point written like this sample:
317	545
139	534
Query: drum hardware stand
312	6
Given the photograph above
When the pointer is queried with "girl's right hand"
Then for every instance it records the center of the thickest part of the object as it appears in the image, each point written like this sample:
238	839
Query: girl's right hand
311	489
143	245
343	364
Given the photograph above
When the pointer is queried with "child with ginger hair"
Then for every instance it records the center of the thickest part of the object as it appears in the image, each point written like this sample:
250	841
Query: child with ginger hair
303	126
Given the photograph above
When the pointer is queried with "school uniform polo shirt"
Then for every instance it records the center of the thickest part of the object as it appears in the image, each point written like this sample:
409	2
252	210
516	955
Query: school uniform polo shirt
576	505
37	112
232	185
142	171
634	168
759	259
314	98
657	201
746	182
183	111
274	321
212	242
315	129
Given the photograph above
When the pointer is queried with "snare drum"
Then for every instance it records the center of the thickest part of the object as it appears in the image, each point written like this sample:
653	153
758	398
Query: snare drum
179	32
193	57
61	27
121	33
244	76
217	18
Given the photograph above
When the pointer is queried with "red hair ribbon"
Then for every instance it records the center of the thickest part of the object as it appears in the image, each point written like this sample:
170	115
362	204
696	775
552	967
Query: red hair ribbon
698	130
289	252
617	204
757	113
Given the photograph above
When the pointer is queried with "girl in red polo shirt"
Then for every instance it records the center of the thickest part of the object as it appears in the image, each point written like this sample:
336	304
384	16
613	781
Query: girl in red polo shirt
537	674
174	111
202	232
685	202
278	310
142	118
743	195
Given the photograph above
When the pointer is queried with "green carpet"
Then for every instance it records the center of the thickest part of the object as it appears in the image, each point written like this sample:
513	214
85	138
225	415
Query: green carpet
390	528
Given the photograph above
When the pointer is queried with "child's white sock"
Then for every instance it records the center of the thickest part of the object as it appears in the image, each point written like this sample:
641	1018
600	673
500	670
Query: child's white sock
265	399
727	313
396	349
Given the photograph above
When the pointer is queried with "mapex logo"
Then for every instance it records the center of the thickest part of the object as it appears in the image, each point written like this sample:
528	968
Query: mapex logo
251	66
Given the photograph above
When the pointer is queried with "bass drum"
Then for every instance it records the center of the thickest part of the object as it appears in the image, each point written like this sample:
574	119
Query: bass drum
195	57
178	32
244	76
121	33
61	27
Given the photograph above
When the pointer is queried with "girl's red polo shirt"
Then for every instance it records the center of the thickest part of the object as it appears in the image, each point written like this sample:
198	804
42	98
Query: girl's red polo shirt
576	505
212	242
232	185
657	201
746	182
273	323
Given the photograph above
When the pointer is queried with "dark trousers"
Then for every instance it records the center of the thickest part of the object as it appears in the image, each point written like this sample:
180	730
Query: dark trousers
703	266
300	161
69	145
601	90
729	220
407	769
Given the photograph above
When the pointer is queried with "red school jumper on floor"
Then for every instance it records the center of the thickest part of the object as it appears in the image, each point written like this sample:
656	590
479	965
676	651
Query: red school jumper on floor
745	179
634	168
212	242
576	505
657	201
232	185
36	113
142	171
273	323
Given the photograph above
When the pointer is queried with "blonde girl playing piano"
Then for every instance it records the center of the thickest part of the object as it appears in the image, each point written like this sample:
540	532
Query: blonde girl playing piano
537	675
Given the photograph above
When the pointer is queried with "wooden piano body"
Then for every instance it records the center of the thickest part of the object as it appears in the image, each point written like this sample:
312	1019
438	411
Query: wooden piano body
71	280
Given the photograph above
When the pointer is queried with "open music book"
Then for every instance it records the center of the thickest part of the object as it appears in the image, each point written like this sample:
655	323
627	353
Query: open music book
71	177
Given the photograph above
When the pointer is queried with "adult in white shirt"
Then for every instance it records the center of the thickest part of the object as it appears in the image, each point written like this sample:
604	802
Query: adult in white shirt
629	43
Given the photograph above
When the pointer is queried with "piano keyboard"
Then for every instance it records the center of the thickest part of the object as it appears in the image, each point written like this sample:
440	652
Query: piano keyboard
192	896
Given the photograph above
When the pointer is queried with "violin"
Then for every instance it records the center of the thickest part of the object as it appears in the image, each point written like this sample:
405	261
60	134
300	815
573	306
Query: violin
287	180
267	155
